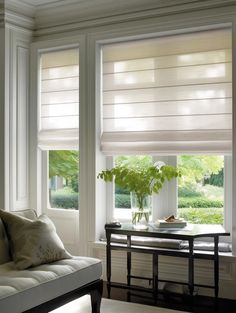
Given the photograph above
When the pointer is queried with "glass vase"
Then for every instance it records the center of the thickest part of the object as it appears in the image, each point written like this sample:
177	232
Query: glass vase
141	210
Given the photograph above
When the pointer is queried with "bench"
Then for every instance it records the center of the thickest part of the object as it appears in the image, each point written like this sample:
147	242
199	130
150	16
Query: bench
45	287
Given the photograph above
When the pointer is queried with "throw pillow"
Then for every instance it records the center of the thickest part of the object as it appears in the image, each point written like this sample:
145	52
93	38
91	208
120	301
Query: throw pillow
33	242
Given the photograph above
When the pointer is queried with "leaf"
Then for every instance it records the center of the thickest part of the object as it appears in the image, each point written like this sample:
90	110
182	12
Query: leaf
141	178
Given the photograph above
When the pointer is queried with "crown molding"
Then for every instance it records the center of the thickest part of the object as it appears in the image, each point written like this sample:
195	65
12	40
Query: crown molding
213	7
20	7
17	14
17	20
81	11
47	18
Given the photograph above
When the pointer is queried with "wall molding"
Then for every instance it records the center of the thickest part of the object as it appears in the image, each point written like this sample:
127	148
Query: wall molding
17	95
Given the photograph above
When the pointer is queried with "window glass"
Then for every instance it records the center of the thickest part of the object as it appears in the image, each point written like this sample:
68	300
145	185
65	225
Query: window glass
201	189
63	179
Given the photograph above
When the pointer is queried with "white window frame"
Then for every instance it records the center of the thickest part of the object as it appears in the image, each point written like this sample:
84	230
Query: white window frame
40	183
46	207
45	186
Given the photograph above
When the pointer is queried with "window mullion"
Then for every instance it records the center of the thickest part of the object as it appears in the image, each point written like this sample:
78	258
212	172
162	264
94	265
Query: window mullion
165	203
228	193
110	194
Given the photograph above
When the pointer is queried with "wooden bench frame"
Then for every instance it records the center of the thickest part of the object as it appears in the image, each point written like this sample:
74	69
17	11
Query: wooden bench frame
94	289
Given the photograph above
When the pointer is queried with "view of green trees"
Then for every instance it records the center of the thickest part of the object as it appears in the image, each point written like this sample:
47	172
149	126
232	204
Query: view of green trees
200	188
64	164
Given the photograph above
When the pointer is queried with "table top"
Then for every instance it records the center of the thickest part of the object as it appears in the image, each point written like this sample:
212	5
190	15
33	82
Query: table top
187	232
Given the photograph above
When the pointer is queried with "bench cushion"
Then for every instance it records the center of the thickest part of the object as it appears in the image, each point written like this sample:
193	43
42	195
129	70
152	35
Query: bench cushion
22	290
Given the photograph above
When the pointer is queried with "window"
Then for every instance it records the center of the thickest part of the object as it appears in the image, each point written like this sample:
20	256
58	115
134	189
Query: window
166	97
59	124
199	196
63	179
201	189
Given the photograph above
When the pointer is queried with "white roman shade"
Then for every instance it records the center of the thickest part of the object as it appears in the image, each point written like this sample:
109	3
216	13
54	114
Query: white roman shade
59	109
168	95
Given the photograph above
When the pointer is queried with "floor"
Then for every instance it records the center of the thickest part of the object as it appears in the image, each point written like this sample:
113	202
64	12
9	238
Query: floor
196	304
83	305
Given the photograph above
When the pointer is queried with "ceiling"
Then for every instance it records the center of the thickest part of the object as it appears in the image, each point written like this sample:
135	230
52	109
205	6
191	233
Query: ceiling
38	15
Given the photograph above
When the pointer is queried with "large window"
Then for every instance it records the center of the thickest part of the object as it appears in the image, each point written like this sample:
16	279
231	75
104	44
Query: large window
171	97
58	134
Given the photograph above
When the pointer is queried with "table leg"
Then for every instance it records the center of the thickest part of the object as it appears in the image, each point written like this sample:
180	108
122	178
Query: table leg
108	236
216	265
155	275
191	268
128	261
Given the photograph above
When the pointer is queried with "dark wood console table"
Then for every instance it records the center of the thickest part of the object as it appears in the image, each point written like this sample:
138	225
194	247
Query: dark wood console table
188	233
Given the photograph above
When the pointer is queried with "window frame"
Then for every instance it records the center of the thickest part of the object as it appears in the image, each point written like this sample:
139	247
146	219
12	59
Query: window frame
44	155
45	186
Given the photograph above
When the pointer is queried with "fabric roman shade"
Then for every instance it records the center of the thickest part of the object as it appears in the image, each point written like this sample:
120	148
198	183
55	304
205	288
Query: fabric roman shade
168	95
59	109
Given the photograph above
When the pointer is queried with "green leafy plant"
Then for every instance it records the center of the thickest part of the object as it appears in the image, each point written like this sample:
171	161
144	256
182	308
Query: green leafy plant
143	181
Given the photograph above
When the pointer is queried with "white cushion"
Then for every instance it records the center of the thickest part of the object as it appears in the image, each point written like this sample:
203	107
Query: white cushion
22	290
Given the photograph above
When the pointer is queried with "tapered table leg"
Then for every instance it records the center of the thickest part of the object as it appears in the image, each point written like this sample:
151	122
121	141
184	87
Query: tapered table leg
128	261
216	265
155	275
191	268
108	236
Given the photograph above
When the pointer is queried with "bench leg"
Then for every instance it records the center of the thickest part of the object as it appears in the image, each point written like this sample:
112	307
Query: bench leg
96	297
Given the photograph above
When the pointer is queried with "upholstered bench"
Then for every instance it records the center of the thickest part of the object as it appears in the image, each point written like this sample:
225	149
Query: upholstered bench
46	286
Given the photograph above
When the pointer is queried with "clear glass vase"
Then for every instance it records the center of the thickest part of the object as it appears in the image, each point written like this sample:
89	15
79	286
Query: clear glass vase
141	210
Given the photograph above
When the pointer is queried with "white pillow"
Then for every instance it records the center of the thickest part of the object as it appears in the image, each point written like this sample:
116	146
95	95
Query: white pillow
33	242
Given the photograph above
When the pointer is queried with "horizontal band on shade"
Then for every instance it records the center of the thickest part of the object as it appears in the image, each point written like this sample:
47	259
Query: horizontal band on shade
167	148
64	139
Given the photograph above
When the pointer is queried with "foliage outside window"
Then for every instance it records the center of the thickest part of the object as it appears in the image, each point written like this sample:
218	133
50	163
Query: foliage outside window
63	179
200	188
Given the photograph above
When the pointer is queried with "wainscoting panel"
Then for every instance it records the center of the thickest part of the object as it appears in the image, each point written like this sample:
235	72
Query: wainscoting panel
18	98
